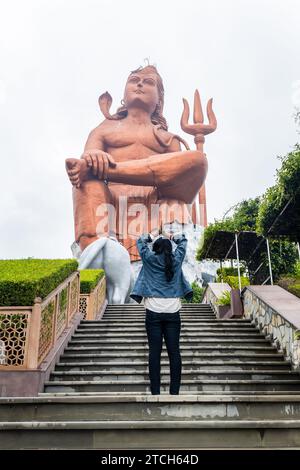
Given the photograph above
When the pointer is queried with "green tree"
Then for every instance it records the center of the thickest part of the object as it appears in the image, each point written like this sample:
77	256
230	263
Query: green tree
279	212
244	218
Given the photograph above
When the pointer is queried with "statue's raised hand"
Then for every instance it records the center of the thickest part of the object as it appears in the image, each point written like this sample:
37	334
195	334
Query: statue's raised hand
99	162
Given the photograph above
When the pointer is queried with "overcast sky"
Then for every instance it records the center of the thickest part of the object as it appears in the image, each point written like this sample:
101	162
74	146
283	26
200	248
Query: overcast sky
58	56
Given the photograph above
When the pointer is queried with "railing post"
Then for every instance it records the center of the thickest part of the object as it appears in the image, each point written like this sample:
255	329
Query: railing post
238	260
269	259
69	303
90	306
34	335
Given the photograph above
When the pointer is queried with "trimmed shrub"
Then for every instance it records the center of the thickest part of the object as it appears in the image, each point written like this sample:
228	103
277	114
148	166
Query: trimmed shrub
197	294
229	272
225	298
297	270
21	280
295	289
233	281
291	282
286	282
89	278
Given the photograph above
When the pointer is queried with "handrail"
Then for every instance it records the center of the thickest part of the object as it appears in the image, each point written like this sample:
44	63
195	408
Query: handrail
29	333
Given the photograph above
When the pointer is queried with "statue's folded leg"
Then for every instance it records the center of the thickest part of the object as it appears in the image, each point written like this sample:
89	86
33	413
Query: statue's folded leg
174	210
176	175
90	202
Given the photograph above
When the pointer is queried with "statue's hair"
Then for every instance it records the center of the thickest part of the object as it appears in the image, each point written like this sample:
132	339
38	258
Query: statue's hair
157	116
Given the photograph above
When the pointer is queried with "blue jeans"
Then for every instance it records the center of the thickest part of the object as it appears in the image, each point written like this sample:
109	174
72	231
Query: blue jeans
167	325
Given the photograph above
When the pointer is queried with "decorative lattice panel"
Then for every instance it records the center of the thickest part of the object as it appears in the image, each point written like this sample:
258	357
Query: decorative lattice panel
83	303
46	332
13	331
61	320
75	286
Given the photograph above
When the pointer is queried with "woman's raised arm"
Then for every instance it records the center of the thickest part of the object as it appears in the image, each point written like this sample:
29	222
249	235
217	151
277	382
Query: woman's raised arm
142	245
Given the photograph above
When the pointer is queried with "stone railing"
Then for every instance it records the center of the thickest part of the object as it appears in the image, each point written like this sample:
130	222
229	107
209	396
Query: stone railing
92	305
277	313
27	334
213	292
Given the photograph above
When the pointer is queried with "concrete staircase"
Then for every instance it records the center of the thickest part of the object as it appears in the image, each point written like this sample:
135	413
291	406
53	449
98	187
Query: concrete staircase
236	391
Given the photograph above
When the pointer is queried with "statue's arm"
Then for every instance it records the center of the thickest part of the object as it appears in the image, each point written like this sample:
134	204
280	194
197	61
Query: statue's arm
95	155
174	146
95	140
94	159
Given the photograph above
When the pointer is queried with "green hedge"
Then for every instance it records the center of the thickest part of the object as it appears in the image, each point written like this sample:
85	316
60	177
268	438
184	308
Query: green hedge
89	278
229	271
295	289
225	298
286	282
197	294
233	281
21	280
291	284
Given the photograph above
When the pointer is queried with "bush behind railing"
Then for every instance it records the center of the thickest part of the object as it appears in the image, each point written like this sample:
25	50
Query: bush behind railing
89	278
22	280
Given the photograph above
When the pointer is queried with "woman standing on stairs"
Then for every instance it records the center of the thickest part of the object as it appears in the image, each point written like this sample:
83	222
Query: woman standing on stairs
161	283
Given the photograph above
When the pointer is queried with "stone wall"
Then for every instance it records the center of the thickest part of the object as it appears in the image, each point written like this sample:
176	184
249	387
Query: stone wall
277	313
213	292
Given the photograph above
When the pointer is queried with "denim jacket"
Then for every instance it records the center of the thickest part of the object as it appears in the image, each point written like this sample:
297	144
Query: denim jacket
151	281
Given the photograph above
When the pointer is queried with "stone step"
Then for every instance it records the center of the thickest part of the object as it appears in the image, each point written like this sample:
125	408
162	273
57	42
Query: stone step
184	336
197	385
136	305
187	374
133	318
183	393
150	434
135	407
189	347
149	424
128	315
184	342
142	314
102	324
190	306
116	364
185	331
142	311
188	327
201	357
237	391
196	308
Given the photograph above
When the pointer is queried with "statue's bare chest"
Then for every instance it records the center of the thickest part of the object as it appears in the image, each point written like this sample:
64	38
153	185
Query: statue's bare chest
140	140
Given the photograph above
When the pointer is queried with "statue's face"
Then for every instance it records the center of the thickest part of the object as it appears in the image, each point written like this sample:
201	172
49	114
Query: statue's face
141	91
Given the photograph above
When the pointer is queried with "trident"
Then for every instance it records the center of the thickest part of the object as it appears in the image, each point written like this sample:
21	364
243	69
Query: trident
199	130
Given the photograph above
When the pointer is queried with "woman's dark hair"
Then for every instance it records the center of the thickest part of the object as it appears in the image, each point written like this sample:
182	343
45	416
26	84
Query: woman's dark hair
163	245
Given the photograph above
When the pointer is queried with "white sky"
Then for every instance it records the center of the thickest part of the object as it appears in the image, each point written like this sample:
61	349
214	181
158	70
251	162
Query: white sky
58	56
